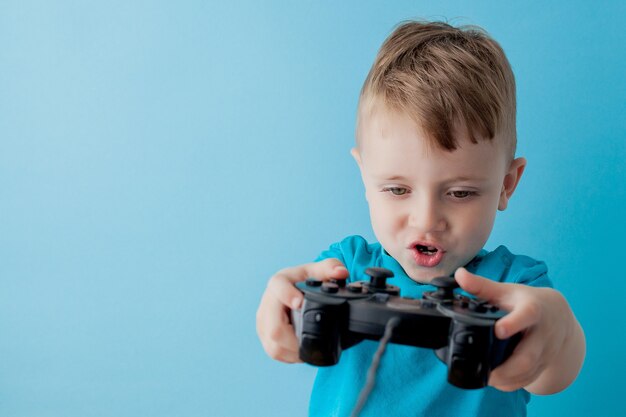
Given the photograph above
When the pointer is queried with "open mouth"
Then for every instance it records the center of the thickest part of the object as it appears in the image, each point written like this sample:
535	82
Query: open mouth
426	250
426	255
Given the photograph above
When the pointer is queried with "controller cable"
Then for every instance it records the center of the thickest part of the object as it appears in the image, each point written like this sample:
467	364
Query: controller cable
371	372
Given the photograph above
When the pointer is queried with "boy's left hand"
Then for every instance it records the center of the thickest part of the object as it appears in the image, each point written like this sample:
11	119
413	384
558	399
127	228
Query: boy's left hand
541	314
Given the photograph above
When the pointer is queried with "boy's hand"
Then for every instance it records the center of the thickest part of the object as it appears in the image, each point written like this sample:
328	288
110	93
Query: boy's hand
550	354
272	317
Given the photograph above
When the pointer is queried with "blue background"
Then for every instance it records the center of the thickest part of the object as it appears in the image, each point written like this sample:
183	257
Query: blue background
160	160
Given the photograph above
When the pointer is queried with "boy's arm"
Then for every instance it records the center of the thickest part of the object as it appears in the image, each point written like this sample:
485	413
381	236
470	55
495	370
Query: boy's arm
552	351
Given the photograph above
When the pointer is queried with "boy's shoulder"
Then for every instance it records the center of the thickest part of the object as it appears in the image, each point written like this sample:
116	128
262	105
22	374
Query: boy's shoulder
504	266
354	250
353	244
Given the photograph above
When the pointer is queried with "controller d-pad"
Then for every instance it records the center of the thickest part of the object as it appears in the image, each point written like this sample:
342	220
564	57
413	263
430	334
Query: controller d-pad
313	282
330	288
340	282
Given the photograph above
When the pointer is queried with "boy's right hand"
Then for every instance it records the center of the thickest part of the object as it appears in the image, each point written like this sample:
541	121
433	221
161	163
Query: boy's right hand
272	318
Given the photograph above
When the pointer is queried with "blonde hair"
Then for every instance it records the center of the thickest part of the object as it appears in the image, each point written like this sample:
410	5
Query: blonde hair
445	78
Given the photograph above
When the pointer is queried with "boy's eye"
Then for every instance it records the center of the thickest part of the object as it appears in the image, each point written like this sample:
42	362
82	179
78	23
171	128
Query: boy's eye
462	194
395	190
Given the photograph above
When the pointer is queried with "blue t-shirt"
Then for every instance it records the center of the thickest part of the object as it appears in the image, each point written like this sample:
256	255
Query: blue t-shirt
412	381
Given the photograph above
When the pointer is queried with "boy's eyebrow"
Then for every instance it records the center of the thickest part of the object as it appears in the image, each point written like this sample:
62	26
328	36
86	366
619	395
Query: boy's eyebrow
395	178
460	178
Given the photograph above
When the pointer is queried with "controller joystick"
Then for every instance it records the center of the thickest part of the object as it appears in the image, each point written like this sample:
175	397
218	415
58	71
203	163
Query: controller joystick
445	289
378	278
377	282
459	329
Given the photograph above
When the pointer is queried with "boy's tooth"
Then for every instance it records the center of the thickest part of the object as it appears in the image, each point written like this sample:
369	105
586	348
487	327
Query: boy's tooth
427	250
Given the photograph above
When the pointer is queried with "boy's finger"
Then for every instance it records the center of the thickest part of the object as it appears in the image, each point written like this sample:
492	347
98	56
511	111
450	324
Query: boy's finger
271	315
287	356
522	317
274	330
283	344
281	287
330	268
283	350
481	287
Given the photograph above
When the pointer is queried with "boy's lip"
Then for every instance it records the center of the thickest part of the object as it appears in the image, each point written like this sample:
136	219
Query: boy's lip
424	243
423	259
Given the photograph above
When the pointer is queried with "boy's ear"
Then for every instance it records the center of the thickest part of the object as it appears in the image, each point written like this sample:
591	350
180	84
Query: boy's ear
356	155
511	179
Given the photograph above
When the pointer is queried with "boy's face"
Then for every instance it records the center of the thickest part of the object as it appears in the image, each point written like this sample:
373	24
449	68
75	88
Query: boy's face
432	210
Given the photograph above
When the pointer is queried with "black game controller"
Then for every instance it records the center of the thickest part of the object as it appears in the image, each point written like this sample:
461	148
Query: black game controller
336	316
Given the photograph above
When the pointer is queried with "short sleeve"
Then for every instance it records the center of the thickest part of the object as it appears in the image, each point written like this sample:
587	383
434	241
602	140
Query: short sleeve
354	252
503	266
529	271
334	251
535	276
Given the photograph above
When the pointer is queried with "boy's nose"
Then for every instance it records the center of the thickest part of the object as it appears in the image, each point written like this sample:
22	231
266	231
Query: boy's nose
426	216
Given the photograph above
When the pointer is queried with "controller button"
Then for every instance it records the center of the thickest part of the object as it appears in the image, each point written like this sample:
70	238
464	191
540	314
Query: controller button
340	282
313	282
463	301
478	306
330	288
356	287
493	309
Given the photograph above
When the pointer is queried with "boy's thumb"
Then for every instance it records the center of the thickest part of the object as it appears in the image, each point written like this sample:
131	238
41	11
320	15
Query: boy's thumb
331	268
478	286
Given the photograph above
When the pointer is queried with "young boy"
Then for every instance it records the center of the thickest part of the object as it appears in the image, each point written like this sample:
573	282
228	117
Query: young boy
435	145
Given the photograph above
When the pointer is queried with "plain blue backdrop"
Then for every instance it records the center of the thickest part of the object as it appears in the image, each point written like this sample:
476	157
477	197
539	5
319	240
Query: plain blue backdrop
160	160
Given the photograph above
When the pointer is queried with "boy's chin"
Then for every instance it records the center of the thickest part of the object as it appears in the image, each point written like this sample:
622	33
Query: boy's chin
425	275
